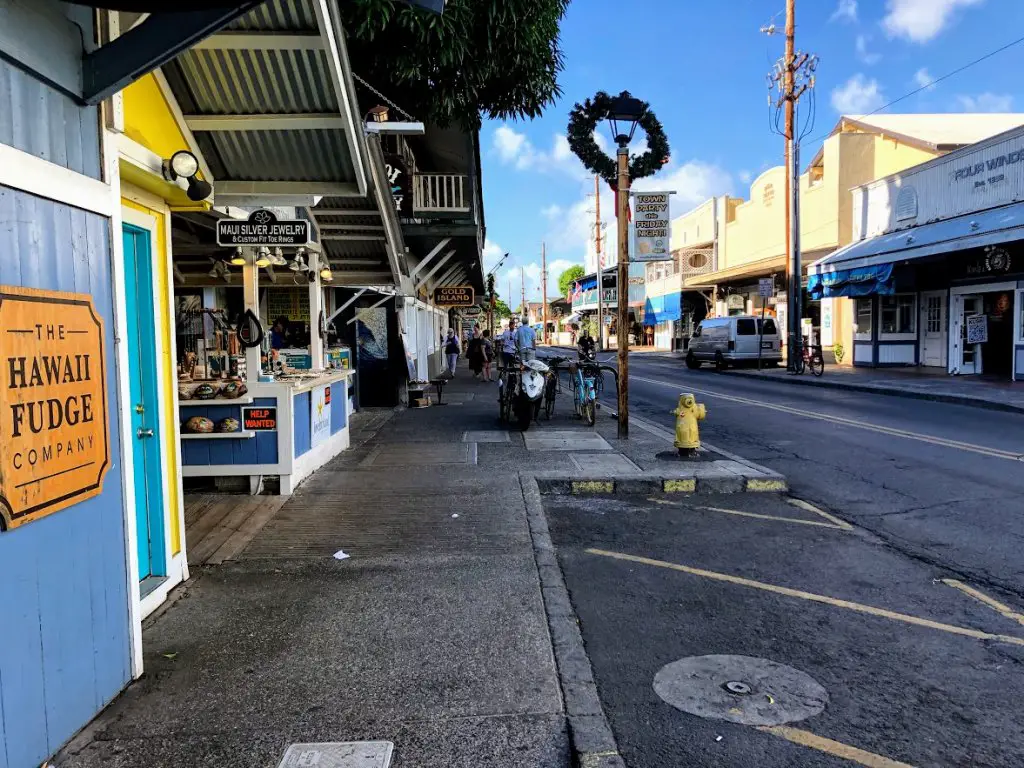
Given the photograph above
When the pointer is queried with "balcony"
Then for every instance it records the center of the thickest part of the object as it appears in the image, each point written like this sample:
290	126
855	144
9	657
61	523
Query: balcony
440	193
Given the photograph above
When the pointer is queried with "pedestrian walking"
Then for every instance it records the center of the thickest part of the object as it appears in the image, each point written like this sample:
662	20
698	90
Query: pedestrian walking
488	355
451	351
508	343
526	341
475	353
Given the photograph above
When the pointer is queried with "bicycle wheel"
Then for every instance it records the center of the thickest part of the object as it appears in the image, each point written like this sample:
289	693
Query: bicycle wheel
817	364
589	413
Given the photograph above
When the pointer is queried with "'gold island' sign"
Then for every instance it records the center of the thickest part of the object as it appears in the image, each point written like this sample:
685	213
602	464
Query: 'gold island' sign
54	447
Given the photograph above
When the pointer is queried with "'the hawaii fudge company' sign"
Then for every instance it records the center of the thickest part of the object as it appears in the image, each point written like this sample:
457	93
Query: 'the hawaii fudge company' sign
54	446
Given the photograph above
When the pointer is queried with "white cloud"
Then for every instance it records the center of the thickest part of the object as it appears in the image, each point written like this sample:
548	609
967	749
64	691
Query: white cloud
847	11
693	182
492	255
863	53
921	20
553	211
986	102
924	79
746	177
516	149
858	96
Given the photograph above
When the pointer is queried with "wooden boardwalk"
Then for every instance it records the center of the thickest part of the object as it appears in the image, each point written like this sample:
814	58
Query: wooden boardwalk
219	526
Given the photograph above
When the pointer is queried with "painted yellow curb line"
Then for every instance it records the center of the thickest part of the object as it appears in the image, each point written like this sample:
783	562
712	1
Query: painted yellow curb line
833	601
689	485
991	602
592	486
768	486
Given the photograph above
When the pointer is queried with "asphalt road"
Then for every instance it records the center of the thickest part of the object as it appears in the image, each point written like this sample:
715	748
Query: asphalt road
941	483
904	598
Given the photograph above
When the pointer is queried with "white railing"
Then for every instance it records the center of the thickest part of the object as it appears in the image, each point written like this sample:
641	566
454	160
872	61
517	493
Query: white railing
439	193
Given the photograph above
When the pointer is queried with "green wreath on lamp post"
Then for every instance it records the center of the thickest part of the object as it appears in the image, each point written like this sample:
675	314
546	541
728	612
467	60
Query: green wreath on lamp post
583	121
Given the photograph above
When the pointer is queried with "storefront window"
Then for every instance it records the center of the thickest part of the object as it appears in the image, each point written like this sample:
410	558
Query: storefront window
865	317
897	313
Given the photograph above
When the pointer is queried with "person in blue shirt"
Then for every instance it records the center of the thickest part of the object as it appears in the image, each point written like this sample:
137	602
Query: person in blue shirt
526	341
277	333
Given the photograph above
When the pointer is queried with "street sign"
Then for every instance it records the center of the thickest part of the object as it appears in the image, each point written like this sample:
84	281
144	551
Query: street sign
766	287
455	296
263	228
652	228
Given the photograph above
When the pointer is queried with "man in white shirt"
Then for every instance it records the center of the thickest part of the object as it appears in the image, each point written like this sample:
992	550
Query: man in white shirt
508	342
526	341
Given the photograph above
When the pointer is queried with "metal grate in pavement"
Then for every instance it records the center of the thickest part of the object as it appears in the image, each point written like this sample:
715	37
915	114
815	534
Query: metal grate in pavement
339	754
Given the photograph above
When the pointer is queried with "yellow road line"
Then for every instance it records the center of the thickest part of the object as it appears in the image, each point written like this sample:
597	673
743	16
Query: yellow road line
991	602
851	606
931	439
816	523
808	507
835	748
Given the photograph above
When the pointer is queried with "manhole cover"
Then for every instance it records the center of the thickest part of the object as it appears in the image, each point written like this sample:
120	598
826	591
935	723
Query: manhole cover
769	694
339	754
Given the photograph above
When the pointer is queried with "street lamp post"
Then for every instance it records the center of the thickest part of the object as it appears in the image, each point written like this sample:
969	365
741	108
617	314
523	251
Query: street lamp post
624	117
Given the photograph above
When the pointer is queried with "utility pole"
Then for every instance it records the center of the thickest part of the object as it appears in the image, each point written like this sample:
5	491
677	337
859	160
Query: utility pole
544	291
600	263
623	287
522	306
793	76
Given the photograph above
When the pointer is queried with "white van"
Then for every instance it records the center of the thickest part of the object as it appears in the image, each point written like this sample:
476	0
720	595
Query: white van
725	340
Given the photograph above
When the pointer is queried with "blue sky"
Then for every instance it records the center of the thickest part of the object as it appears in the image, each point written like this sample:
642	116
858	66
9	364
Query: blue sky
702	66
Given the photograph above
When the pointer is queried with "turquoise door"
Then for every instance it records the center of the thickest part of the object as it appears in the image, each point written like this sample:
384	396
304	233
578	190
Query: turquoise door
149	506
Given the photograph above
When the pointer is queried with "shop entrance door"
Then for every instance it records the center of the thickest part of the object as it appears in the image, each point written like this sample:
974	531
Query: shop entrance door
933	329
145	445
970	361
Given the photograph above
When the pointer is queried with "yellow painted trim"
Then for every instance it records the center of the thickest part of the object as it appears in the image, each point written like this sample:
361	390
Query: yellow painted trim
149	119
981	597
808	507
169	384
159	187
689	485
774	518
835	602
831	747
592	486
758	484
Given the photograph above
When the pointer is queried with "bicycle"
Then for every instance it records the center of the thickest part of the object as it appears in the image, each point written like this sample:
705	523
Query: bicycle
585	375
507	381
811	357
553	386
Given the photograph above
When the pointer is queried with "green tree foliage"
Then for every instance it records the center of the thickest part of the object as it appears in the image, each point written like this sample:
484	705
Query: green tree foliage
498	58
501	309
570	276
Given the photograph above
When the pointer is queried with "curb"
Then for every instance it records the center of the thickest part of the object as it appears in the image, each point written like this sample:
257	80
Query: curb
591	737
709	481
935	397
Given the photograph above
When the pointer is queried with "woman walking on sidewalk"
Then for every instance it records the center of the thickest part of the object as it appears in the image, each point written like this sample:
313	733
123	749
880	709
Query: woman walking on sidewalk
475	353
488	355
451	351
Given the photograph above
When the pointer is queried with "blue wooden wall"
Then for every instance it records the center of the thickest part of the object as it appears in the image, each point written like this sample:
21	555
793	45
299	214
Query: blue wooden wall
64	623
339	406
261	449
301	405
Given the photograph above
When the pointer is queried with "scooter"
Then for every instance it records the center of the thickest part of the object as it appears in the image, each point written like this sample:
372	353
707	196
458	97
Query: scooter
532	379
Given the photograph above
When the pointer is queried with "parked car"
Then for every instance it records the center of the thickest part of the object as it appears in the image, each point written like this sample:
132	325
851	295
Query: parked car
731	340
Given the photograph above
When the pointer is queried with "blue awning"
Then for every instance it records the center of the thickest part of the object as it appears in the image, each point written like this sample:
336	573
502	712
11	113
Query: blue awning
662	309
865	281
975	230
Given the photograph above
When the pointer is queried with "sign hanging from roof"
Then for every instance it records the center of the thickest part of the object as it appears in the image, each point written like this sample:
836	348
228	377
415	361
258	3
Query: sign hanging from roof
263	228
455	296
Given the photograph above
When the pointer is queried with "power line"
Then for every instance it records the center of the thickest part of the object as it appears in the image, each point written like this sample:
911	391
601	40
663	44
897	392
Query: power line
937	80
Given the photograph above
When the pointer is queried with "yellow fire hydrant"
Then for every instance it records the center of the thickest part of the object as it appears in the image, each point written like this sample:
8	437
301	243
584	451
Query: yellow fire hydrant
687	414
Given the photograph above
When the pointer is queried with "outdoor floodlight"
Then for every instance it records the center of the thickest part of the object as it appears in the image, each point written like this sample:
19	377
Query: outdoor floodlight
184	165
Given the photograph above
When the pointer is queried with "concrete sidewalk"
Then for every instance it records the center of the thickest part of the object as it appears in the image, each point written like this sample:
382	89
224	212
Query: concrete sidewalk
906	382
432	633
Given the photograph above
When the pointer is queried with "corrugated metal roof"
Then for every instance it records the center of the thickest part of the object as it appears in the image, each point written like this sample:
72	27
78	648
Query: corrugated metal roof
279	16
225	82
942	130
283	155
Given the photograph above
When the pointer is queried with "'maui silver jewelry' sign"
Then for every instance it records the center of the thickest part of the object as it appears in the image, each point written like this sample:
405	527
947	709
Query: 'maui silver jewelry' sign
263	228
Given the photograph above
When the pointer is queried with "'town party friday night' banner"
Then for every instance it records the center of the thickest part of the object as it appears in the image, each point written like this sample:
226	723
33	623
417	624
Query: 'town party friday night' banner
54	446
652	228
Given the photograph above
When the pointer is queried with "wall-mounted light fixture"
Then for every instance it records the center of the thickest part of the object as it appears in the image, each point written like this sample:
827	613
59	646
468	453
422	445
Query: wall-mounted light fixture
263	257
184	165
239	258
325	274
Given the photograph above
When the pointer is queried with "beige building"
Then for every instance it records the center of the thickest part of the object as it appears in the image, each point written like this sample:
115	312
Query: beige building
748	237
